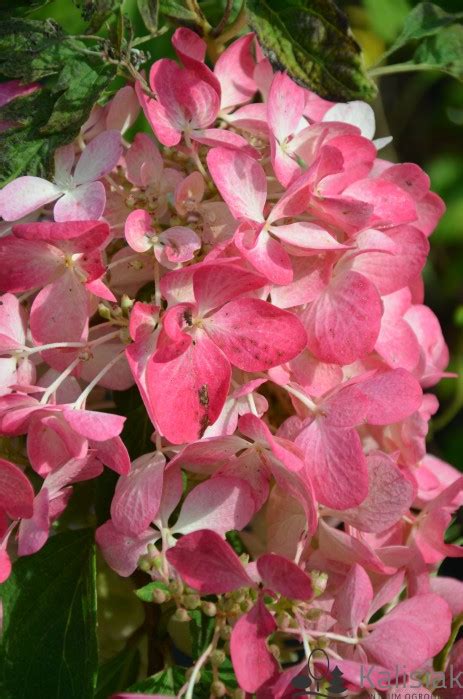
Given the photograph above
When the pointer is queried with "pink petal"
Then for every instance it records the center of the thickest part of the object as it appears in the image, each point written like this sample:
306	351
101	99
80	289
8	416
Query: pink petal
158	118
208	564
123	109
398	643
13	322
143	161
253	663
285	105
94	425
113	454
240	180
214	285
16	493
391	203
220	503
25	195
26	265
123	552
353	599
264	253
138	229
335	464
254	335
390	495
284	576
187	393
216	138
99	157
179	244
5	565
138	494
86	236
392	396
358	113
343	323
234	69
87	201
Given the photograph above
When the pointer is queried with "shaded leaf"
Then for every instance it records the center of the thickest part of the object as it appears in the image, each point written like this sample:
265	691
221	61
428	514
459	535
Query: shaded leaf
168	682
387	16
180	11
426	19
201	631
146	593
49	646
96	12
444	51
115	674
311	40
149	11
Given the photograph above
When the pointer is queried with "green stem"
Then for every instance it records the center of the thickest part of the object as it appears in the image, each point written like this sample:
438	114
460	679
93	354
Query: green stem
400	68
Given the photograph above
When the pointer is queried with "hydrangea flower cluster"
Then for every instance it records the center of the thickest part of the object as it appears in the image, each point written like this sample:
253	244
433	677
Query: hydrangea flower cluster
282	357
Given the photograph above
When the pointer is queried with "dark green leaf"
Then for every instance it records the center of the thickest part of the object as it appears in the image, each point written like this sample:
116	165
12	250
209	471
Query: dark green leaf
21	7
73	81
149	10
146	593
201	631
49	646
166	682
138	427
310	39
115	674
96	12
182	12
425	20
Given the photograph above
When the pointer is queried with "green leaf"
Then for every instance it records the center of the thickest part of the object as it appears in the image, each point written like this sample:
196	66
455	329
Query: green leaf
49	646
96	12
182	12
440	660
73	81
146	593
425	20
443	52
168	682
311	40
115	674
149	11
201	631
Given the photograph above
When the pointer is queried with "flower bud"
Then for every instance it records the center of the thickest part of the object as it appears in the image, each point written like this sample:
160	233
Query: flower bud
275	651
181	614
160	596
218	689
209	608
217	657
191	601
225	632
104	311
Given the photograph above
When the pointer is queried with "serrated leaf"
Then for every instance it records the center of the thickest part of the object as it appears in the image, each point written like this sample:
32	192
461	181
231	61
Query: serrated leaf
115	674
425	20
146	593
443	52
149	11
168	682
72	82
49	646
311	40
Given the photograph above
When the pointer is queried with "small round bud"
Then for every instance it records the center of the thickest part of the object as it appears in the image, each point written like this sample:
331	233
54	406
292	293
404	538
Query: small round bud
104	311
239	694
176	587
117	312
246	605
126	302
283	619
218	689
160	596
209	608
181	614
144	564
225	632
217	657
191	601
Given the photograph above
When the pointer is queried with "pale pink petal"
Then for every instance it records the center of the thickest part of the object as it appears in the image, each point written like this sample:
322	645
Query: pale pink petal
99	157
159	120
284	576
87	201
16	493
390	495
187	393
123	552
221	503
138	494
398	643
25	195
343	323
94	425
208	564
254	335
335	464
353	599
217	138
13	322
253	663
391	203
123	109
179	244
392	396
143	161
138	230
240	180
307	236
357	113
33	532
285	105
64	160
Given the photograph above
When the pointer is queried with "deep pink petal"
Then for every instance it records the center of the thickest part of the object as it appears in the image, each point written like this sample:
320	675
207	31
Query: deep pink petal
234	69
240	180
353	599
264	253
283	576
138	495
253	663
208	564
94	425
16	492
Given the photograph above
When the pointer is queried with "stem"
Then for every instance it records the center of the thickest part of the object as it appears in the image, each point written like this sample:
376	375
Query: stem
235	27
157	287
199	664
302	397
223	22
122	260
83	396
59	380
400	68
194	155
252	404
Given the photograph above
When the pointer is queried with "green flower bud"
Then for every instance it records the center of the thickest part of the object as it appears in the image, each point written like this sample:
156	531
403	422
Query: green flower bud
217	657
218	689
191	601
209	608
181	614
